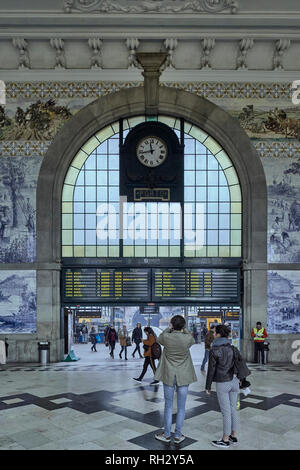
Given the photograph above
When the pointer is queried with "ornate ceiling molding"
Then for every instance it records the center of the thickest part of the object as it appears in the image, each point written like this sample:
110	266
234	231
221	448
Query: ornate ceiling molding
151	6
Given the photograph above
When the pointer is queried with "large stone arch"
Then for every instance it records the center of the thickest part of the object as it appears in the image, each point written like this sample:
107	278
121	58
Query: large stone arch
129	102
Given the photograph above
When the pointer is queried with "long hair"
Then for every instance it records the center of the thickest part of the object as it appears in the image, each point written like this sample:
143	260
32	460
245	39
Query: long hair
148	330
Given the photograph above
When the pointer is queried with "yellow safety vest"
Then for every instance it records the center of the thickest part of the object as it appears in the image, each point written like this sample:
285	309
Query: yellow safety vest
256	332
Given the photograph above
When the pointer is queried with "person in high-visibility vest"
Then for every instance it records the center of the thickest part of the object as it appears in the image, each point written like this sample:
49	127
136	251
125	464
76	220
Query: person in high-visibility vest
259	333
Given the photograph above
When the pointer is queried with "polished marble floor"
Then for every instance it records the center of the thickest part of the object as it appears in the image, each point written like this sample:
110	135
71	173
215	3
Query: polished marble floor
93	403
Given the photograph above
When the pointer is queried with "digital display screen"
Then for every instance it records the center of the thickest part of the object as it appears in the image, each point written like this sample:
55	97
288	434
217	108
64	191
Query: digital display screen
106	284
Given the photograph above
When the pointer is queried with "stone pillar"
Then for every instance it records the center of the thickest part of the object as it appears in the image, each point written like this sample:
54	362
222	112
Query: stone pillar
151	63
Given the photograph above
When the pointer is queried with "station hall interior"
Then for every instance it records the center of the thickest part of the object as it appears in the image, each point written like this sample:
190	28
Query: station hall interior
149	167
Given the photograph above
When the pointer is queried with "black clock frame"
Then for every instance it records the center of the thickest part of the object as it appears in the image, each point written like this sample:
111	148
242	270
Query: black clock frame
161	183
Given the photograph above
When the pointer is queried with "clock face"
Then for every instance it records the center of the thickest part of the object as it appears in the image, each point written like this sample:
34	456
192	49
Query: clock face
151	151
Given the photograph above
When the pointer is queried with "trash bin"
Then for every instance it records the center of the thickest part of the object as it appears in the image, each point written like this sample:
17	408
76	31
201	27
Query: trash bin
44	352
266	352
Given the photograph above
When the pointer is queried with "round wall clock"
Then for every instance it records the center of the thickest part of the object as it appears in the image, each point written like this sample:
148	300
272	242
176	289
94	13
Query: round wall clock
151	151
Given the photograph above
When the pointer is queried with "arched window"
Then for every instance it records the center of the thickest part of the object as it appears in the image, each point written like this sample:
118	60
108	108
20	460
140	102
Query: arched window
95	223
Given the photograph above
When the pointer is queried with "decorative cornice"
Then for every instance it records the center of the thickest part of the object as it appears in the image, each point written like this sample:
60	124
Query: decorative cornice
151	6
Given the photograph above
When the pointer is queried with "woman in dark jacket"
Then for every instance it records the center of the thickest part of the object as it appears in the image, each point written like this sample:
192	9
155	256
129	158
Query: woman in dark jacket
151	339
221	371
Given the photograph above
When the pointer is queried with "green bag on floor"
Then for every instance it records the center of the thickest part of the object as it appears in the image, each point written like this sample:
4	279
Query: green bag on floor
71	357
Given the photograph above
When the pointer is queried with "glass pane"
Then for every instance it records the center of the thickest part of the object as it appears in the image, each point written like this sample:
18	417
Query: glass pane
200	149
67	221
212	163
212	237
78	221
212	221
189	194
113	162
212	194
189	178
201	162
235	237
78	237
224	221
90	193
224	194
113	146
90	178
224	238
201	178
102	162
79	194
212	179
189	162
189	146
224	207
212	251
79	251
201	194
67	207
90	163
67	251
213	207
236	221
222	179
90	237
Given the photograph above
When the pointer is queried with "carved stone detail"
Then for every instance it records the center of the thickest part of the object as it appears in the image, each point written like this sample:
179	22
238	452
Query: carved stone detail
207	44
151	6
95	44
152	63
21	44
170	44
60	59
132	45
280	48
245	45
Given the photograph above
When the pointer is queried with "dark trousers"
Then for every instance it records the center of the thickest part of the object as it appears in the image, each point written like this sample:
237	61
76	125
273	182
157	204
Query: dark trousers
148	361
112	348
122	349
137	348
259	350
93	348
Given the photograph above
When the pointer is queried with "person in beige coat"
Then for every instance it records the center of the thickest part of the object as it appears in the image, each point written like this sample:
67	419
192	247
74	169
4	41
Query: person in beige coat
176	371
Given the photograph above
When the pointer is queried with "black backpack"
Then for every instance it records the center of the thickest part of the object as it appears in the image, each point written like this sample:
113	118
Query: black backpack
156	350
239	365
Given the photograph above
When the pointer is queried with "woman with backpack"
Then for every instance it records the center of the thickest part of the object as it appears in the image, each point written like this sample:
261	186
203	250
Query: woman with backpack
221	369
149	359
176	371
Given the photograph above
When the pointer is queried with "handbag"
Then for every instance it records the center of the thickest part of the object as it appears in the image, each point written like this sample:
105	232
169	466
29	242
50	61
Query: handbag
128	341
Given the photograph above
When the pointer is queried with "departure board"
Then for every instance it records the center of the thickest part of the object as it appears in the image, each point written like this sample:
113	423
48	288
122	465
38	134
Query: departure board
138	285
91	284
196	285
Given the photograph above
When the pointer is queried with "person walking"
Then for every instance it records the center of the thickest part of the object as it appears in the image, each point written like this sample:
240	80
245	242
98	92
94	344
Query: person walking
137	337
259	333
93	339
176	371
221	371
110	339
209	338
123	334
148	343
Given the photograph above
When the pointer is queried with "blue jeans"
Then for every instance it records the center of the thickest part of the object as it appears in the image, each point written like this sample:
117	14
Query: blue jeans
181	399
205	359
